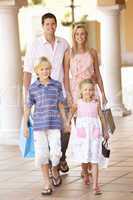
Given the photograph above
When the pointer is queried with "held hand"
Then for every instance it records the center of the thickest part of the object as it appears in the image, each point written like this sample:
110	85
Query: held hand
73	109
66	126
26	132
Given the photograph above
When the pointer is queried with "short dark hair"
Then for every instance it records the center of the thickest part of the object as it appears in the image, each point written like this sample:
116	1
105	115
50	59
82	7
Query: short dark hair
48	15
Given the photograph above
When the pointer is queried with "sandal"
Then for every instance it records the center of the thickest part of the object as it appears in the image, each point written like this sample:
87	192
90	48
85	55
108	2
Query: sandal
56	181
64	166
97	191
47	191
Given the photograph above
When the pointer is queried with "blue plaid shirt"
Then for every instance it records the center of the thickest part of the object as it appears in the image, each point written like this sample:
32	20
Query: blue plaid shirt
46	99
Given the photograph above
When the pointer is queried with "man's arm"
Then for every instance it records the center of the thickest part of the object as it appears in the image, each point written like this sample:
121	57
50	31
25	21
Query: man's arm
26	118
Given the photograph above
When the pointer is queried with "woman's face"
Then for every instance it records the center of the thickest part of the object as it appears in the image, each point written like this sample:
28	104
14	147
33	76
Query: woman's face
80	36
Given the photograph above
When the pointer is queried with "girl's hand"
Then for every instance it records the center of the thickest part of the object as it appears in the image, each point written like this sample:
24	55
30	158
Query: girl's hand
26	131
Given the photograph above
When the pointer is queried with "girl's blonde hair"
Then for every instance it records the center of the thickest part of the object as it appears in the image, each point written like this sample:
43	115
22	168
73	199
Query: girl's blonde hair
85	81
42	61
74	43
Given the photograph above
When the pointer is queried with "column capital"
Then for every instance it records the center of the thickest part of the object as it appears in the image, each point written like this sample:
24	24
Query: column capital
18	3
111	10
10	9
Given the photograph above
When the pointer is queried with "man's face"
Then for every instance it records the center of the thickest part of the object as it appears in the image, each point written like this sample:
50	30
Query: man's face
49	26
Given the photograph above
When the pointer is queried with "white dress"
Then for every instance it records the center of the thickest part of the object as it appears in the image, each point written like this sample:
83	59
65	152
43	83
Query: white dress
87	135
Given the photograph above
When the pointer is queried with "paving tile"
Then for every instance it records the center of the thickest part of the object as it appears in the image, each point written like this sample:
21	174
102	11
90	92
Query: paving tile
20	180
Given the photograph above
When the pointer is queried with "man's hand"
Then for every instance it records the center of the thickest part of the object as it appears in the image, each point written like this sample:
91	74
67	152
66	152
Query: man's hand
66	126
26	131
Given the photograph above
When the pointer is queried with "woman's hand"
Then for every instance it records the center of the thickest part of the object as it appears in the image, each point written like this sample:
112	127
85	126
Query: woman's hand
104	100
106	135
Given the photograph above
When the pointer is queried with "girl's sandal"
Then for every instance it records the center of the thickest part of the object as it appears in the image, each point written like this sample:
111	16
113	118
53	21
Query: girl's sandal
47	191
97	191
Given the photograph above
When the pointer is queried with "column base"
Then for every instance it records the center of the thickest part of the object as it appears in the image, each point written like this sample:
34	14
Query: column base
120	112
9	137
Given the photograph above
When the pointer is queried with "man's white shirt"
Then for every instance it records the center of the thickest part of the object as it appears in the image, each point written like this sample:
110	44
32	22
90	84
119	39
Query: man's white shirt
41	47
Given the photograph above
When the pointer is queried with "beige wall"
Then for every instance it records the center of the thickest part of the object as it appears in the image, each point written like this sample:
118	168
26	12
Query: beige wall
110	2
127	24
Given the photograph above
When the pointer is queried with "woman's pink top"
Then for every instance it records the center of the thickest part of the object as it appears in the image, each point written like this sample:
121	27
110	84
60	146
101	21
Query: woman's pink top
81	67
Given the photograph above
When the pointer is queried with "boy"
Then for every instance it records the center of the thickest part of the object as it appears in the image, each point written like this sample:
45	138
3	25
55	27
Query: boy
47	97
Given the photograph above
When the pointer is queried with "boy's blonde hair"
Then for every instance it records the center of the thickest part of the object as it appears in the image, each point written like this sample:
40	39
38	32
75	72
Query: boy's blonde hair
42	61
85	81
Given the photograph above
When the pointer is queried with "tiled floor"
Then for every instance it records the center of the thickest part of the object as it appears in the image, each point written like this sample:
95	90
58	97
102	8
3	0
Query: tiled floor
19	180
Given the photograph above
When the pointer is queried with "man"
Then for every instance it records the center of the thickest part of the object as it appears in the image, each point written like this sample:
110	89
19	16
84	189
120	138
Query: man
53	48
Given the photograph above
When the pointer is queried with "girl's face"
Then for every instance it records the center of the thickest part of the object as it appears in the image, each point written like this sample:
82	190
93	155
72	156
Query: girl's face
80	36
44	71
87	91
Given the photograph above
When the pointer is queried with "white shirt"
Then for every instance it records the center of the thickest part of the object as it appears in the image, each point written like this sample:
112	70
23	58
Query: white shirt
41	47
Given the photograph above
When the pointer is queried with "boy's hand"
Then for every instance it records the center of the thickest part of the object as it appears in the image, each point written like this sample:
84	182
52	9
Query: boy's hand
26	131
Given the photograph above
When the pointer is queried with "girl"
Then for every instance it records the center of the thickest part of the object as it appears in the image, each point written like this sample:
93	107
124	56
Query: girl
47	97
88	134
82	63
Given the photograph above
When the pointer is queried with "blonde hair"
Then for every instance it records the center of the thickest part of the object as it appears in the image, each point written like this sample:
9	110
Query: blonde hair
74	43
85	81
42	61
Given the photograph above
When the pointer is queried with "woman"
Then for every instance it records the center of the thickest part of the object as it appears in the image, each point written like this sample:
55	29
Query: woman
82	63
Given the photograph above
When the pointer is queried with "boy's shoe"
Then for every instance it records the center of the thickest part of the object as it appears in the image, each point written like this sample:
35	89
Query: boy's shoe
56	181
47	191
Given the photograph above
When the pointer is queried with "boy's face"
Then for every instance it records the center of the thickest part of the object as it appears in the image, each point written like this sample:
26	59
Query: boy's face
44	71
49	26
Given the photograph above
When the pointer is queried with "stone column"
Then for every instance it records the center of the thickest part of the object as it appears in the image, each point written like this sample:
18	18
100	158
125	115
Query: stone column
10	75
111	57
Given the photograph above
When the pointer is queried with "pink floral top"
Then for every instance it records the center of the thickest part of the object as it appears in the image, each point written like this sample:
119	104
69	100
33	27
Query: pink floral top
81	67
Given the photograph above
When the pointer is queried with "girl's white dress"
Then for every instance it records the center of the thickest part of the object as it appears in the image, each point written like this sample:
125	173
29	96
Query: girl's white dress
87	136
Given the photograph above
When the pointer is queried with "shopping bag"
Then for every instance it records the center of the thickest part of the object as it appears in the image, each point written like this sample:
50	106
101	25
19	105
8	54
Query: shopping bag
26	144
109	120
105	149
